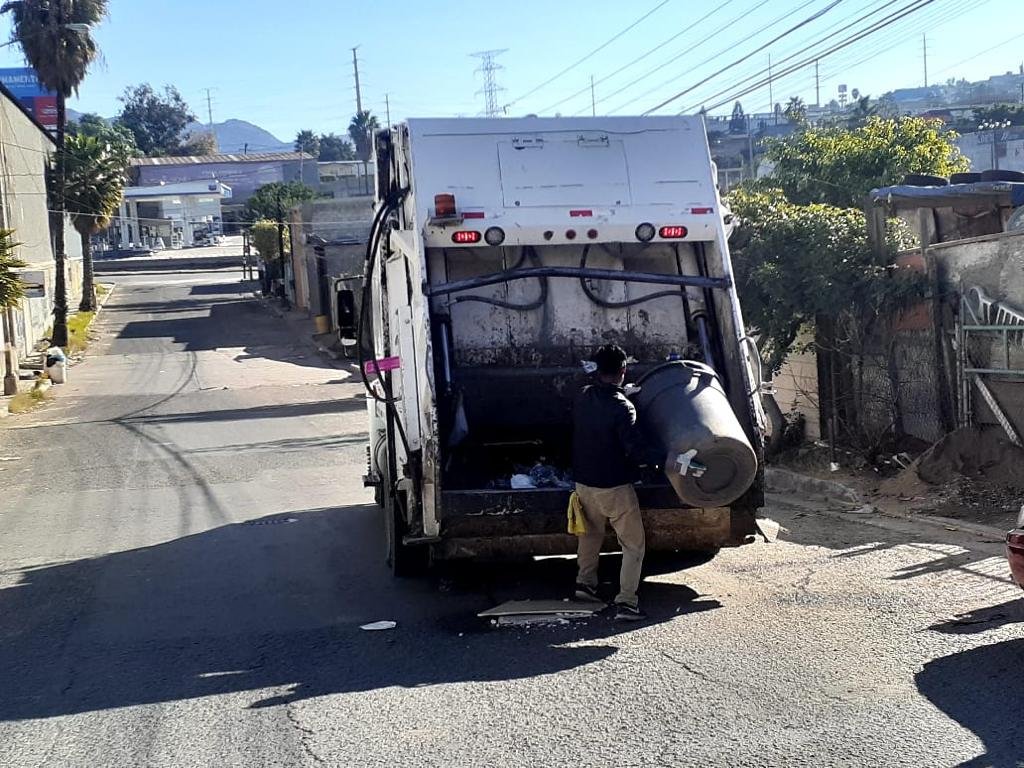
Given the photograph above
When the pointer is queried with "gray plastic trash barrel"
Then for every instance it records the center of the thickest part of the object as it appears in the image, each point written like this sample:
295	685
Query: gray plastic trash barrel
683	404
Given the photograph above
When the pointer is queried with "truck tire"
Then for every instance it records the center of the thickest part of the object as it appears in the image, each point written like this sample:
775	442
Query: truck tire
924	180
403	560
1002	175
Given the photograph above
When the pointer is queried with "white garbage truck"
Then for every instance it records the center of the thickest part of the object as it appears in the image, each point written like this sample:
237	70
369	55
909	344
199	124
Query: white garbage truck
503	253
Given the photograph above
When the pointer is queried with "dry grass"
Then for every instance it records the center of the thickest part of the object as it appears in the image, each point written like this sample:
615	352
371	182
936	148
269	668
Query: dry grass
78	331
23	402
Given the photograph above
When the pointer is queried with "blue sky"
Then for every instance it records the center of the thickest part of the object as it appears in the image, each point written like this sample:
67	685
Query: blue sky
288	66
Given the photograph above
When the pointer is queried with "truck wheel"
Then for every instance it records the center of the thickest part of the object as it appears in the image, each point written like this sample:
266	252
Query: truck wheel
402	559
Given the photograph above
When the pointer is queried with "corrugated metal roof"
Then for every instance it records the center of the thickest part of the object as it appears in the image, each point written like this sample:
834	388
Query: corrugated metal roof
252	157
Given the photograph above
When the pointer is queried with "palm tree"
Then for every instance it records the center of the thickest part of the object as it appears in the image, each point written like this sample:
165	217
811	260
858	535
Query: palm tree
796	111
12	289
95	174
361	129
55	38
308	142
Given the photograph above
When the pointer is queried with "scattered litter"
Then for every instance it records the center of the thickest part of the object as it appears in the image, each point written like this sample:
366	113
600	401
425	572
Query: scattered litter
563	608
377	626
867	509
589	366
522	482
768	528
833	466
532	621
10	458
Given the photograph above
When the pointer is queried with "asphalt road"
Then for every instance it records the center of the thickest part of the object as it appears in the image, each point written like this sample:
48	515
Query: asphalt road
187	554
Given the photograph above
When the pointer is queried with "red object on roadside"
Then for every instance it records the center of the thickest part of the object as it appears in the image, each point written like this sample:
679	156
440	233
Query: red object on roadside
1015	554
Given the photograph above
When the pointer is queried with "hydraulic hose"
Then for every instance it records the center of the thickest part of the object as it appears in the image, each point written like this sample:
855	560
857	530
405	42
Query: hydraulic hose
540	301
620	304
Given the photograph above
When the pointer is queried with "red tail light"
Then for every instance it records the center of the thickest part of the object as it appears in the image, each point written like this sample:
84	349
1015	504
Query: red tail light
580	212
702	210
444	205
465	237
673	232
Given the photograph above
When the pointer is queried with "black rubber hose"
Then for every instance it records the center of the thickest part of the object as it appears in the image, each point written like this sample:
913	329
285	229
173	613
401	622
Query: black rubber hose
620	304
540	301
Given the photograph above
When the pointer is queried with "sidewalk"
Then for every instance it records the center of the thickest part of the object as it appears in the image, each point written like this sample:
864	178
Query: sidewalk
302	327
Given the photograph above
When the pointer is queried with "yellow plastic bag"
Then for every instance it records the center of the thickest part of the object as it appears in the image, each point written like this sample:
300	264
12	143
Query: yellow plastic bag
577	522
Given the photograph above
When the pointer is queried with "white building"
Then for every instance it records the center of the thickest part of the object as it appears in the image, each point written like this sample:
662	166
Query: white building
169	215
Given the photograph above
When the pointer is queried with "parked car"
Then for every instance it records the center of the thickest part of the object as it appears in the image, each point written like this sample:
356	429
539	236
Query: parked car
1015	550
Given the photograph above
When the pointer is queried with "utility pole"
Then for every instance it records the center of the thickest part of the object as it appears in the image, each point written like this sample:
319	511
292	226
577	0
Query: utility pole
387	109
924	50
771	97
491	88
209	115
359	95
817	86
593	101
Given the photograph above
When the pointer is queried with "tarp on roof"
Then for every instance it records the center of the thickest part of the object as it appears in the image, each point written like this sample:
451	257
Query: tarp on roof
1008	193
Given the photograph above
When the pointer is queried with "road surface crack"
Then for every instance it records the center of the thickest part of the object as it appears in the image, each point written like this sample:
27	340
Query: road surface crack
689	668
304	735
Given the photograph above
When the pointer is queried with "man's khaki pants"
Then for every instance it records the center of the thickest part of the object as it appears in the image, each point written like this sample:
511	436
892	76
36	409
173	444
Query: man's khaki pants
618	506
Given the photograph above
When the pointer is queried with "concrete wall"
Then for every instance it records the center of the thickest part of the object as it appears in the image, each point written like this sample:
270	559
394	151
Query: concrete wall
24	150
796	391
1007	152
333	220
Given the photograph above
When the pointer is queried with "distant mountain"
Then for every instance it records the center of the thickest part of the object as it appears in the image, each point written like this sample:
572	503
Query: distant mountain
233	136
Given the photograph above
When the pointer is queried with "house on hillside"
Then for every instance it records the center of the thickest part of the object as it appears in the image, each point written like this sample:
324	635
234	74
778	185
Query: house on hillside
25	149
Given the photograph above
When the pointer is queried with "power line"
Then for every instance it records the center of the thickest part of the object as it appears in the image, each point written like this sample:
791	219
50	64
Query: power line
638	59
813	17
579	61
914	6
793	55
711	36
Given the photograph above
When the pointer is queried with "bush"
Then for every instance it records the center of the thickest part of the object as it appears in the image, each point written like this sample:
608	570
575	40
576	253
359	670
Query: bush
264	238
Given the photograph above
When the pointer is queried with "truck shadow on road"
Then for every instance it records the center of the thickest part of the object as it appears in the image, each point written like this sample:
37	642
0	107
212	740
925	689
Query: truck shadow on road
270	609
983	690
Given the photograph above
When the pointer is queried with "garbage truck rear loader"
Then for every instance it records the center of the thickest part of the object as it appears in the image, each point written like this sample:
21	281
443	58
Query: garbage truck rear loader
503	253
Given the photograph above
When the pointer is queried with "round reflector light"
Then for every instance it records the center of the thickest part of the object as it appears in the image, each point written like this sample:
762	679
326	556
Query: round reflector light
592	234
494	236
645	232
570	234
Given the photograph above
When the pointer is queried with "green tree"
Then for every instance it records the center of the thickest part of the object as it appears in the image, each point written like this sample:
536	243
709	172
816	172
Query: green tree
264	238
839	166
796	111
56	38
861	111
158	121
95	178
196	145
272	201
795	263
334	147
12	290
361	130
308	142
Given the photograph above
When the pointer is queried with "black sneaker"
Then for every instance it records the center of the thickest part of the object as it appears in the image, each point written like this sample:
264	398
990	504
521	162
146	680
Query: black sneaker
625	612
587	594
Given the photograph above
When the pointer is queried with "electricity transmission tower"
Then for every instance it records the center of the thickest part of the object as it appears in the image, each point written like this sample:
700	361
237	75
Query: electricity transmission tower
491	88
